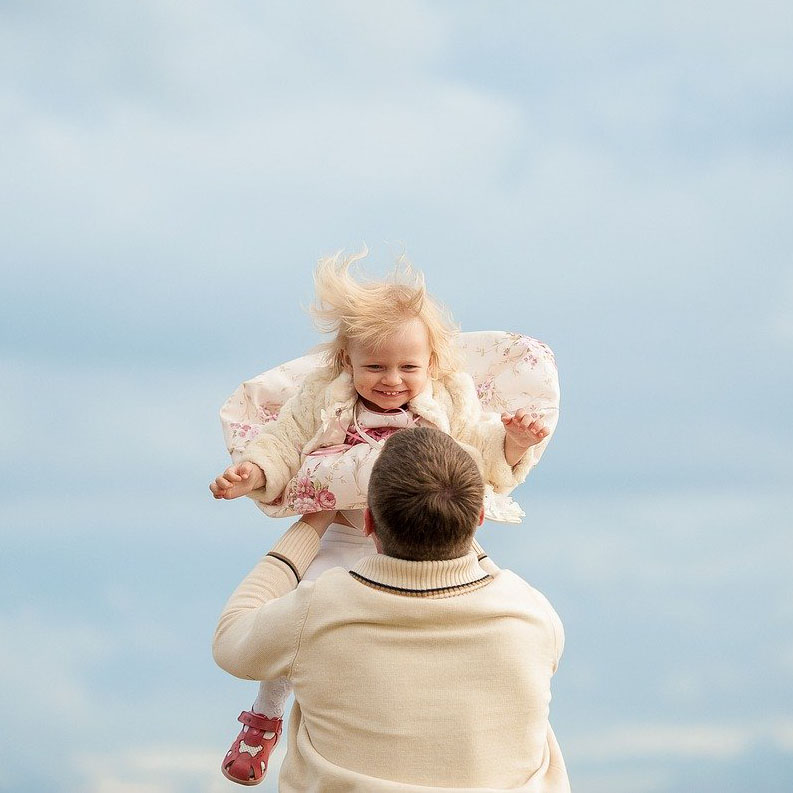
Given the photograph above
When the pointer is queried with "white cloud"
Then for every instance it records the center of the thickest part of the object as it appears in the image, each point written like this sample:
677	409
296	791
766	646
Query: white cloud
45	663
622	781
163	769
150	770
712	741
640	539
779	315
92	423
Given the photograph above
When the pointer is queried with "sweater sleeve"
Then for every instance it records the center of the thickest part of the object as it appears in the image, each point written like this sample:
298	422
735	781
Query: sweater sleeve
278	448
556	629
558	632
258	631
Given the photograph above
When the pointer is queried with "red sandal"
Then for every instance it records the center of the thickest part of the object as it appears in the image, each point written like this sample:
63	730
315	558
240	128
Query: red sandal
246	761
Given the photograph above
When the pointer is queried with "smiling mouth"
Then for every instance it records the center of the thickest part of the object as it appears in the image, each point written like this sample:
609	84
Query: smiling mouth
391	393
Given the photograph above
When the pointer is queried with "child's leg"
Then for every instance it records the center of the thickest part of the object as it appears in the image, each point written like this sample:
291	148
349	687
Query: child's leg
272	697
342	545
246	761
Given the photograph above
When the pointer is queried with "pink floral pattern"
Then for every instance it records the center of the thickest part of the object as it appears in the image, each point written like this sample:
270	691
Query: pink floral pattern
485	390
244	432
306	495
517	349
267	413
503	361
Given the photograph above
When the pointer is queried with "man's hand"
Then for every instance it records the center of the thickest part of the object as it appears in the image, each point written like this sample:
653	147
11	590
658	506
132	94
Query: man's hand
237	480
523	432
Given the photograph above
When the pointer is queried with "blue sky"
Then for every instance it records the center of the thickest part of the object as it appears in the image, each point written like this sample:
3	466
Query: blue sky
613	179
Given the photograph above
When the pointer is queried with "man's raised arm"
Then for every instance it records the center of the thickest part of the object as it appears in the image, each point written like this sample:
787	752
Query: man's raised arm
256	636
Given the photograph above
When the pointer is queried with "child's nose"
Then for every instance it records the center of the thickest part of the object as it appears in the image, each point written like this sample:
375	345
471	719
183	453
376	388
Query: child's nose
391	378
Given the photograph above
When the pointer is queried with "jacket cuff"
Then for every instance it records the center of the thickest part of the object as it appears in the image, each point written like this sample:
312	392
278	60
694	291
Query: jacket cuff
297	548
499	472
276	475
504	477
521	470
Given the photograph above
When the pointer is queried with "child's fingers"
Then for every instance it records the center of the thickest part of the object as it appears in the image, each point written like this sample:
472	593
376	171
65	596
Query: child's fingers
232	475
539	430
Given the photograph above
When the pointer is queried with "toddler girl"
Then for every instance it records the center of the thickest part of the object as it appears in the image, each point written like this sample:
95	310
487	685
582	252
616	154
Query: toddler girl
391	364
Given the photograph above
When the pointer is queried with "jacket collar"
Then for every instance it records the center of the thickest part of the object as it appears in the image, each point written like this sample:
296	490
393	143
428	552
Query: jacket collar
340	396
427	406
340	392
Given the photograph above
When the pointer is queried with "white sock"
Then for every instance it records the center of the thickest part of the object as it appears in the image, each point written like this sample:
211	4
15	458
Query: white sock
272	698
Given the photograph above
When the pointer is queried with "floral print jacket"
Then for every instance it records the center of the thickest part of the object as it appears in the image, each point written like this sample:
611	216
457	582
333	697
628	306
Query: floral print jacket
320	413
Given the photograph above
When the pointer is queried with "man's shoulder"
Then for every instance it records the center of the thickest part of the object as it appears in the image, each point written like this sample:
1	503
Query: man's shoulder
521	589
333	578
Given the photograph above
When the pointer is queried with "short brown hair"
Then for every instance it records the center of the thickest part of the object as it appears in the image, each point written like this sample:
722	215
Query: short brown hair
425	495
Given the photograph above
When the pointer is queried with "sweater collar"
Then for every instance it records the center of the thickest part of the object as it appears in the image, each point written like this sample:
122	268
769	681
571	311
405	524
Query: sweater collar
434	579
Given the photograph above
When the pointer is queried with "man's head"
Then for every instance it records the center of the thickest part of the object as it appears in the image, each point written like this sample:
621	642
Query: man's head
425	496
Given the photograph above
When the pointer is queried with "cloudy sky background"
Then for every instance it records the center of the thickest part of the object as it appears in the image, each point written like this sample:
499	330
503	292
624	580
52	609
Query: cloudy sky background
614	179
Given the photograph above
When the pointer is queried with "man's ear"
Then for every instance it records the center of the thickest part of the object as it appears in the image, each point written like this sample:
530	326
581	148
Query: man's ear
370	530
368	523
481	516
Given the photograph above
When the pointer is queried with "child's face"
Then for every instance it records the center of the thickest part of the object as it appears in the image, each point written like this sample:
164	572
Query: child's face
396	372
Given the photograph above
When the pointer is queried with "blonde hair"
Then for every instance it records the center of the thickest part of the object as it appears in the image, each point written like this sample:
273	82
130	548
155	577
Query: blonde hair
426	495
370	312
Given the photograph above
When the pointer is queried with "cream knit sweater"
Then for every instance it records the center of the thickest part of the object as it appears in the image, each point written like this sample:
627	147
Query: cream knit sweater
408	676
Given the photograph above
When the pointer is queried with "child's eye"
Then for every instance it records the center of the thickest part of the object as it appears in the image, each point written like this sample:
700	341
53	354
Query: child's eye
374	367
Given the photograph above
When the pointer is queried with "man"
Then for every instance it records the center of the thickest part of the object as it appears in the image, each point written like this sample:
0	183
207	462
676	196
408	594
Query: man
418	670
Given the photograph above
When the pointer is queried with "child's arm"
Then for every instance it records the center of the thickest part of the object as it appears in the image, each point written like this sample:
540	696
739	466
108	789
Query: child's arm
257	636
273	458
503	455
521	434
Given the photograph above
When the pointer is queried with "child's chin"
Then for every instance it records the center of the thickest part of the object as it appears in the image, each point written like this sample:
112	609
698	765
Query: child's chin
388	403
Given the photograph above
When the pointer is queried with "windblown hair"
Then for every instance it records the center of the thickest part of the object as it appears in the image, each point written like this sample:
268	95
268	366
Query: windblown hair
425	494
369	312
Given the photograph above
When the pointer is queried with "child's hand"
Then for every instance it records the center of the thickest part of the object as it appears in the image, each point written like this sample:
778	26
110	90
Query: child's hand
237	480
522	430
